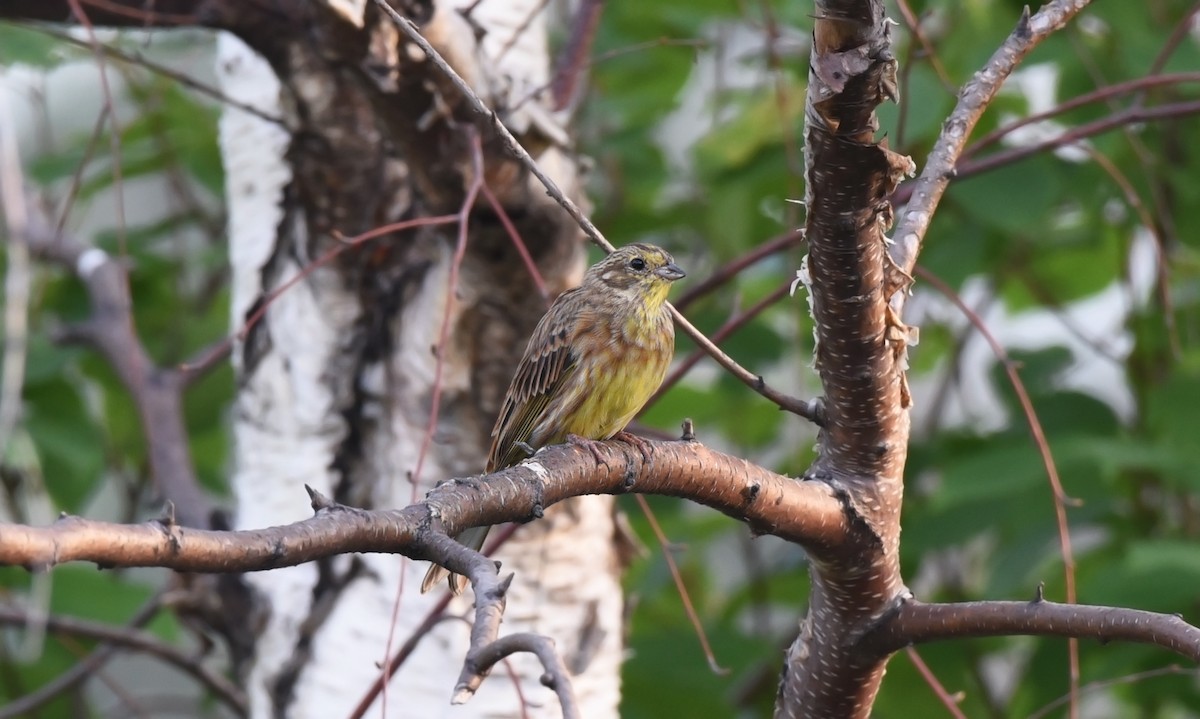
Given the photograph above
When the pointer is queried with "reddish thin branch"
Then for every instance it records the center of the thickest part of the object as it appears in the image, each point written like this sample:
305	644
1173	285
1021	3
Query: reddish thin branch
684	597
735	266
947	700
27	705
1058	494
1105	93
1116	120
573	60
808	409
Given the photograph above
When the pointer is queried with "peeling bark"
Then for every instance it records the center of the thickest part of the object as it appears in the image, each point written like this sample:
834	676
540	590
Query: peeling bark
860	358
337	380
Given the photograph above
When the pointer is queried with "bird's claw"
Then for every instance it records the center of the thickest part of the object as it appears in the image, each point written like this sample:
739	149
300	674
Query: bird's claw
639	443
590	445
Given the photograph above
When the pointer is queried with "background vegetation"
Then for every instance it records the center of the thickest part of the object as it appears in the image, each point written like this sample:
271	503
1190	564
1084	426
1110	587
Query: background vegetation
1081	258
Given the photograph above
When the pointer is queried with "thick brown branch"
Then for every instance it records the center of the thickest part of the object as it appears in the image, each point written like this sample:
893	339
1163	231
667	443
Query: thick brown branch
156	392
859	356
805	512
916	623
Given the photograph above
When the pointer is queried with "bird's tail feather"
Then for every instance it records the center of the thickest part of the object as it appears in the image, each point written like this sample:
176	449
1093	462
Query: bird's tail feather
472	538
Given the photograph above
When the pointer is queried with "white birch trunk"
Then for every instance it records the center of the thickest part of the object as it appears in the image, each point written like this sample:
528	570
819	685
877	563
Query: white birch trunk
328	625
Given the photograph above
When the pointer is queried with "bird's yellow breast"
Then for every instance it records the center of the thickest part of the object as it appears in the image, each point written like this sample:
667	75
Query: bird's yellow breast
615	392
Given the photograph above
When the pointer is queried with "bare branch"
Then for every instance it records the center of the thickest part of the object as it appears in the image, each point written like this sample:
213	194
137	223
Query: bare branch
807	512
25	705
916	623
481	659
804	512
1123	118
859	356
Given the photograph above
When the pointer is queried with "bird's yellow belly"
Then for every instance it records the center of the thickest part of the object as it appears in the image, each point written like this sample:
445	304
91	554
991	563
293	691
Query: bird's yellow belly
615	396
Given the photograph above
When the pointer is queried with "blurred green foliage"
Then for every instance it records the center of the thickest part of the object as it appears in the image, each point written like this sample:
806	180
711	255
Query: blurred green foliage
1041	233
693	119
80	447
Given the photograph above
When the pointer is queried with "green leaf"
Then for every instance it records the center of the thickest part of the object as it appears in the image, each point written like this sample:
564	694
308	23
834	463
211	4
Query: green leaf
26	46
70	447
1153	574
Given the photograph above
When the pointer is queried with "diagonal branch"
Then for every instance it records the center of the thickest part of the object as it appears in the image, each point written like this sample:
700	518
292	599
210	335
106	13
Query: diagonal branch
156	392
973	100
139	640
808	409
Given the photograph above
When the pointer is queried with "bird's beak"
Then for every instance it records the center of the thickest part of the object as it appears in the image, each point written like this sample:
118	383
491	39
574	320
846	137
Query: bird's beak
670	272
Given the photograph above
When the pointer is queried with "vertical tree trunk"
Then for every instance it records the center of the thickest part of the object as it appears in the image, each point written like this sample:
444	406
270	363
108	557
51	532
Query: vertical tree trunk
337	381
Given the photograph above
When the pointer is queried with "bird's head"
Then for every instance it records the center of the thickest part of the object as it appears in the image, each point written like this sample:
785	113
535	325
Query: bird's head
637	271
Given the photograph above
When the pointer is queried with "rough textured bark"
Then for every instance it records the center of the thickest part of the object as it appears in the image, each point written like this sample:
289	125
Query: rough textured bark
860	358
337	381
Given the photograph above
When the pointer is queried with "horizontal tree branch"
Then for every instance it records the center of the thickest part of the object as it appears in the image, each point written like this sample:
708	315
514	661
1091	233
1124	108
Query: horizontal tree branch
801	511
808	512
917	622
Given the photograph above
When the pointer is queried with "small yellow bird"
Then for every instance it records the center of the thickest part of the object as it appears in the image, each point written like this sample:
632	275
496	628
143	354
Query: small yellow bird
595	358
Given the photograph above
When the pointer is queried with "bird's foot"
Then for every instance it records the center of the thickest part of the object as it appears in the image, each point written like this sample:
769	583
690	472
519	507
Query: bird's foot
639	443
590	445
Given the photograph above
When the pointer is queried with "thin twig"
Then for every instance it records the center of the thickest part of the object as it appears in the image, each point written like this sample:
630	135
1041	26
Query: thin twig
684	597
733	268
114	135
1171	670
1061	499
24	705
141	61
732	325
1099	95
931	679
221	348
1081	132
807	409
142	641
518	242
914	26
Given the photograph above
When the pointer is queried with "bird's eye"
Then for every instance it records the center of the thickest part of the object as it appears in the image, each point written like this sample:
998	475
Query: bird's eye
638	264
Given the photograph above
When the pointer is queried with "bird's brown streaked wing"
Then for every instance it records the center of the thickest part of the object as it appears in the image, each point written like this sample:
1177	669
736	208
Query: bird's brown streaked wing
548	362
